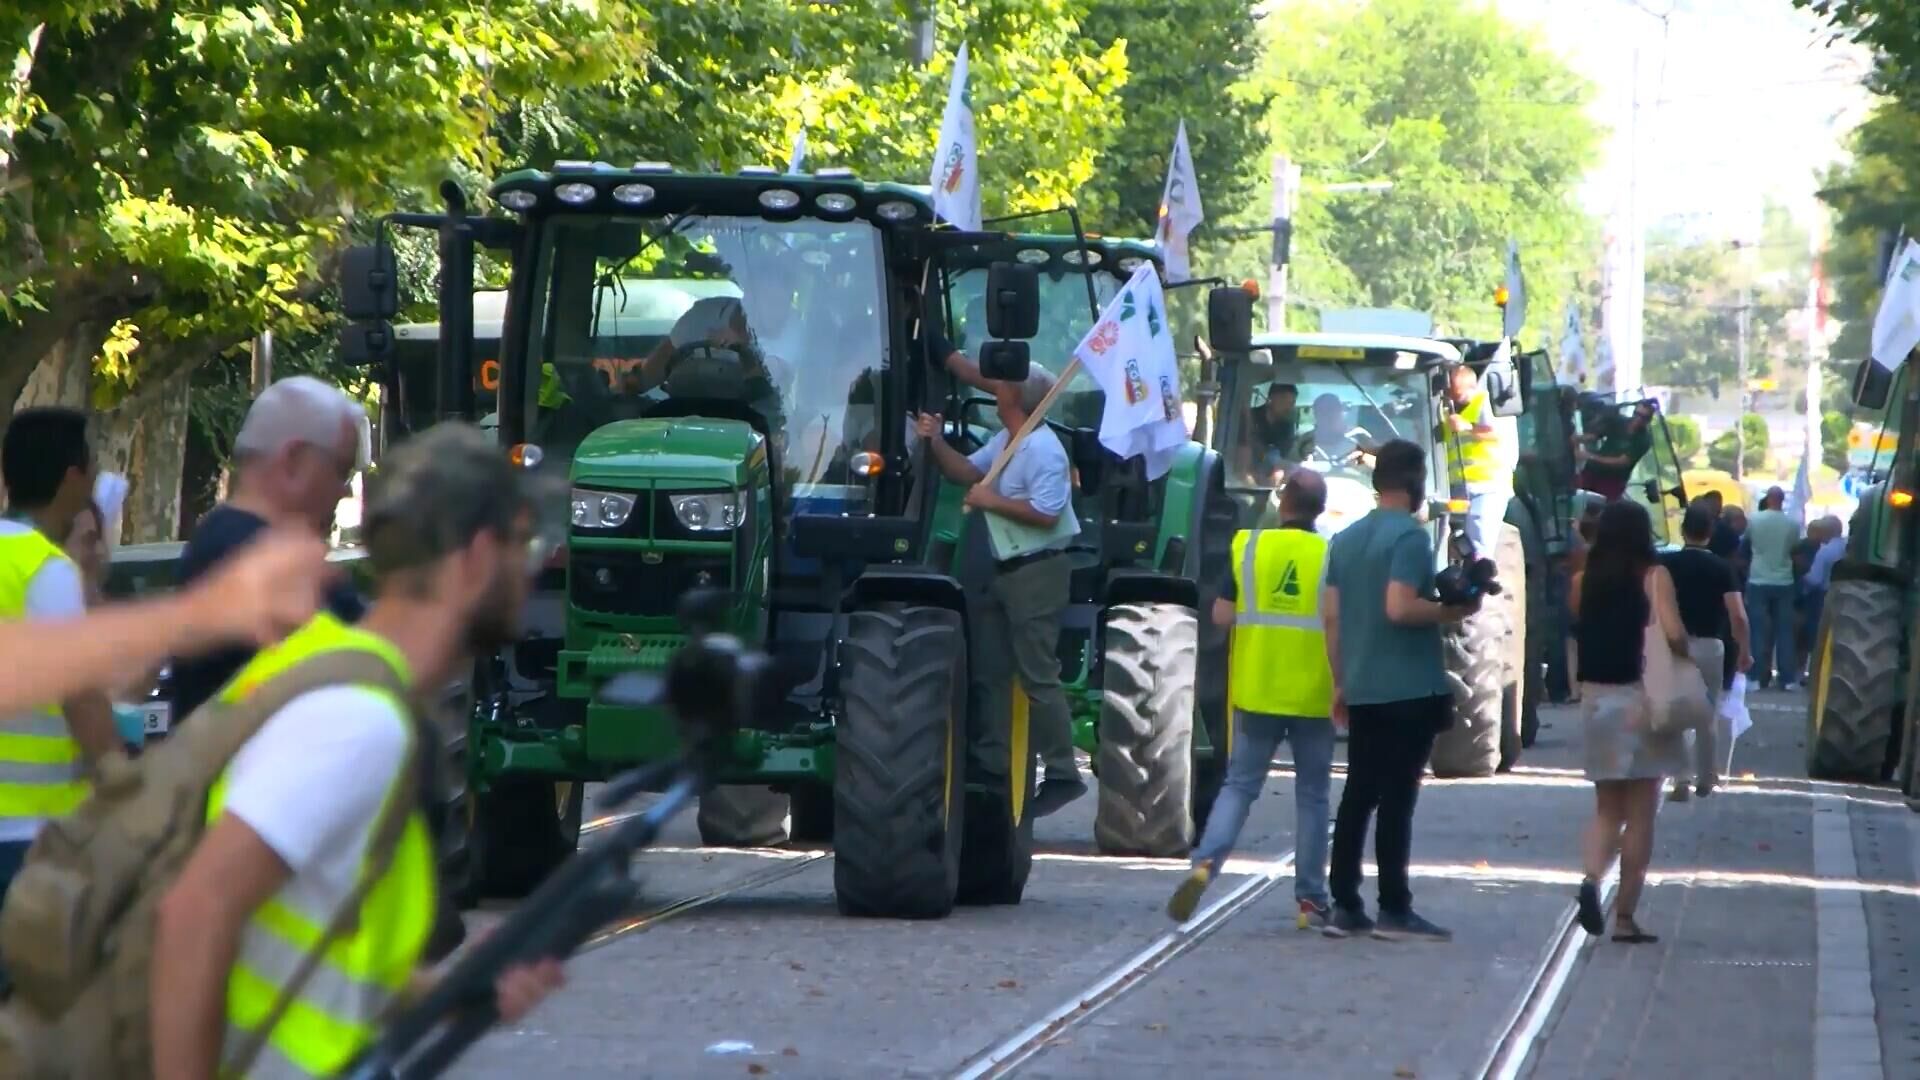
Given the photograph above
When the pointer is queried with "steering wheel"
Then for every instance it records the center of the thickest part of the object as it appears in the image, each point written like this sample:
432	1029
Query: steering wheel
704	370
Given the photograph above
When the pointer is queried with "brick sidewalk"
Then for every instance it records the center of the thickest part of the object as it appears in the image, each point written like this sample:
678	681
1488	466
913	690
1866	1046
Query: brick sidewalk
1770	962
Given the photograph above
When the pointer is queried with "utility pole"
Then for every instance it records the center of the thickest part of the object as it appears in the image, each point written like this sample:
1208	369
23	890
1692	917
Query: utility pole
1286	187
1740	379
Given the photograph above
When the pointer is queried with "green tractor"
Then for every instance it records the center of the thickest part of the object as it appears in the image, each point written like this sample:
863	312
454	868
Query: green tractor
1858	714
722	368
1143	666
1353	390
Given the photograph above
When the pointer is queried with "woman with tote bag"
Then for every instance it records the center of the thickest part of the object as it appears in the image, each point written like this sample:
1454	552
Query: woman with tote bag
1624	601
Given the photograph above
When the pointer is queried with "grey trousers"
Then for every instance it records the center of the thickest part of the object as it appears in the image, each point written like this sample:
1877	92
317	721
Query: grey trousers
1711	744
1018	634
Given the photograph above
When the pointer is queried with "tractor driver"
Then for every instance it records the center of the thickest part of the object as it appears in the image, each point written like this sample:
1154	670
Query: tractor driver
1334	438
1272	434
717	322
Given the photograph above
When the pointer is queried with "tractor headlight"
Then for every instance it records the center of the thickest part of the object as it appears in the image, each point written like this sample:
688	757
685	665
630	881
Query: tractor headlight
519	200
708	511
896	211
576	193
600	509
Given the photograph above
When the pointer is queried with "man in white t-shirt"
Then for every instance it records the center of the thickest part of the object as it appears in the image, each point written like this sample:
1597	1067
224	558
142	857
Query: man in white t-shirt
449	531
48	469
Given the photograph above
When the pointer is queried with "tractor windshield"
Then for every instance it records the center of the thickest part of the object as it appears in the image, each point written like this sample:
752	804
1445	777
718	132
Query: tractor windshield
1064	320
1327	416
778	323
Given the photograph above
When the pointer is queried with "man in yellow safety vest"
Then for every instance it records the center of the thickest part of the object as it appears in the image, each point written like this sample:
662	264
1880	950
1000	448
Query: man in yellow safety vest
1482	452
292	820
46	750
1281	687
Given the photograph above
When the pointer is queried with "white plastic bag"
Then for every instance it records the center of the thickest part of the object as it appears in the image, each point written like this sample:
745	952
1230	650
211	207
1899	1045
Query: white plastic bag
1733	706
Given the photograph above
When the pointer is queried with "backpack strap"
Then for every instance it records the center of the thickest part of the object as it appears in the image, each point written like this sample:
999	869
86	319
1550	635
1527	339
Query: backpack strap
343	667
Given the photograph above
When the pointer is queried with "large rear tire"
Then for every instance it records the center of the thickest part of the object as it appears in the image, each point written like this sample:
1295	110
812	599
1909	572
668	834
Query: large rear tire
1145	755
742	815
899	752
1850	713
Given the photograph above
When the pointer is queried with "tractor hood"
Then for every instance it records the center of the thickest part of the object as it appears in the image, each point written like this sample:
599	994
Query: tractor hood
691	449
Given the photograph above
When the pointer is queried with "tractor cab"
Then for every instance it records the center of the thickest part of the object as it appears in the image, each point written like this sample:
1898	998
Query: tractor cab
1632	423
1326	402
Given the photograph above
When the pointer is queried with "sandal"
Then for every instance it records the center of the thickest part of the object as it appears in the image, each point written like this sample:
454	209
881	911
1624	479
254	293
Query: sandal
1628	932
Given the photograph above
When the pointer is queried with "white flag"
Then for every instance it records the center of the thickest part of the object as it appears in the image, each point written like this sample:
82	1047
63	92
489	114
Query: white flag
1515	315
1180	210
1896	326
956	161
1129	352
799	155
1573	348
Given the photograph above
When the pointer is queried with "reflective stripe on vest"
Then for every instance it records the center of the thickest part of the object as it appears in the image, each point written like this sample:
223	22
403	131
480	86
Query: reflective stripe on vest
42	774
1279	662
335	1013
1470	454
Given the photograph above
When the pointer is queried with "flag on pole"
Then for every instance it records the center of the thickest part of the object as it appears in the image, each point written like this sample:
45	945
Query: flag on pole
1180	210
1573	348
1896	326
956	161
799	155
1514	315
1129	352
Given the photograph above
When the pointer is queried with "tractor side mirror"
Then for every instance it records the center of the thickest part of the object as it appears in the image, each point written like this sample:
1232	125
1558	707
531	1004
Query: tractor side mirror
1006	361
1230	319
369	285
1871	385
1013	300
1501	382
365	343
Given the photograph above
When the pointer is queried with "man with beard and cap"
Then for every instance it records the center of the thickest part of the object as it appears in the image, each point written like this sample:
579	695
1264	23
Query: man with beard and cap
292	842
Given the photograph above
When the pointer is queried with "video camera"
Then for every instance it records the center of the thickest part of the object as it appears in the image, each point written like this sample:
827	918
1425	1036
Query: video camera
712	686
1463	583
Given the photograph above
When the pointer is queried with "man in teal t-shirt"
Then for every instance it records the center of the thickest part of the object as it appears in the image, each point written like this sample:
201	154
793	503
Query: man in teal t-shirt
1390	680
1770	537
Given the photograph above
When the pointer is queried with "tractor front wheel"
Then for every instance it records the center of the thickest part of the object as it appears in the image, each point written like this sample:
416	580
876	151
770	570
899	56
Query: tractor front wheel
899	755
742	815
1145	755
519	830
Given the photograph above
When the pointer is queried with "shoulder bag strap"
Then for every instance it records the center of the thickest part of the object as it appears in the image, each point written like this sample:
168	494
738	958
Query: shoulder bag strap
381	843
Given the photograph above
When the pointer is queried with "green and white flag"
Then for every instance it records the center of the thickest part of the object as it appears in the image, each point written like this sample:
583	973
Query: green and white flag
1180	211
1129	352
956	160
1896	326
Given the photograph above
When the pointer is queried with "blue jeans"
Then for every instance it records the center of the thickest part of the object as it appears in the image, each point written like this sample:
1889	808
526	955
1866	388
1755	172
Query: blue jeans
1486	512
1771	609
1257	737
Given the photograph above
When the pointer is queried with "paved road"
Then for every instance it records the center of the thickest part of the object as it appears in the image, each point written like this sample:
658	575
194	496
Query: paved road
1775	959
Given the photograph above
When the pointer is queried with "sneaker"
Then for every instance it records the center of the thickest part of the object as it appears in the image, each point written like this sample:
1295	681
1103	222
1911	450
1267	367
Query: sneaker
1592	919
1680	793
1789	686
1055	793
1187	896
1314	915
1347	922
1409	926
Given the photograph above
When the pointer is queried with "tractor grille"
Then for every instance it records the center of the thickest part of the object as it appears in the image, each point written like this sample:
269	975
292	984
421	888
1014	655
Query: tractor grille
624	583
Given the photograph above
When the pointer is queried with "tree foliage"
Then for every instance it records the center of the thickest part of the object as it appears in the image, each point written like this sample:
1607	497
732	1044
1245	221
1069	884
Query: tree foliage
1685	433
1891	28
1480	129
1875	191
1834	428
1186	60
1721	452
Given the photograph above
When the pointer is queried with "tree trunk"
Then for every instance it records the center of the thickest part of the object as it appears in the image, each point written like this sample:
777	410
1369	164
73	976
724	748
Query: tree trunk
64	375
156	456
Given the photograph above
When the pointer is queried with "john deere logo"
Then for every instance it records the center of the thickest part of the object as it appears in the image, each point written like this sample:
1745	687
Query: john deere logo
900	546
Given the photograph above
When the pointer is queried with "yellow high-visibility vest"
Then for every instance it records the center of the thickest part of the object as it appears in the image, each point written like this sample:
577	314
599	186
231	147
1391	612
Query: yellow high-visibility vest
335	1014
42	774
1470	454
1279	661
